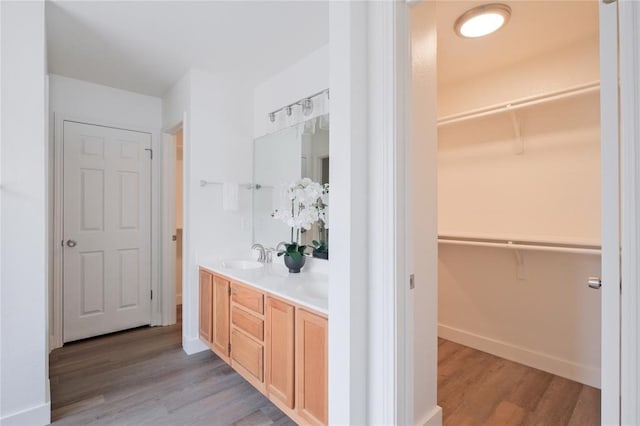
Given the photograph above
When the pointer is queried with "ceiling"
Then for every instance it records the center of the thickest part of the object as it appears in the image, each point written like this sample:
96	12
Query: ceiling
535	27
146	46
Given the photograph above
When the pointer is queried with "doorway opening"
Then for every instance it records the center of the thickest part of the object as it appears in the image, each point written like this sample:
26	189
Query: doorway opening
519	224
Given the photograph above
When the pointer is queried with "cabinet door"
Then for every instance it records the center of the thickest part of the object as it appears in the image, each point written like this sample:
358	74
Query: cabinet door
247	358
220	341
311	367
206	304
280	351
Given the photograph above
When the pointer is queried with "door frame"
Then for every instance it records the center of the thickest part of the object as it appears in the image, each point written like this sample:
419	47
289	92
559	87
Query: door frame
610	147
629	63
168	246
56	338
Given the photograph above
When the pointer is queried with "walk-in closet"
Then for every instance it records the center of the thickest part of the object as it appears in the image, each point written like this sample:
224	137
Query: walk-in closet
519	202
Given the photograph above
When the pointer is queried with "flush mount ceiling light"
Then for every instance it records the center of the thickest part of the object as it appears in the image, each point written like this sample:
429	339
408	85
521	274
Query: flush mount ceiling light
482	20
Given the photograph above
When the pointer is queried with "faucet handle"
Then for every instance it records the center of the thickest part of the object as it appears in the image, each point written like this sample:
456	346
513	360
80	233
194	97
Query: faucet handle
269	251
261	252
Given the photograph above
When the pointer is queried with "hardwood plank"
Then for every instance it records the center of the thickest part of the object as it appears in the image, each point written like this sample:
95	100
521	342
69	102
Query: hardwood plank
458	419
483	399
587	410
476	388
557	403
506	414
257	418
530	389
72	408
464	378
142	376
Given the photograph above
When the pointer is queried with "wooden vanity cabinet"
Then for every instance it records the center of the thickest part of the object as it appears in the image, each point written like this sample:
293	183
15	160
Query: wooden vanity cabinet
280	348
247	333
206	306
311	367
277	346
220	342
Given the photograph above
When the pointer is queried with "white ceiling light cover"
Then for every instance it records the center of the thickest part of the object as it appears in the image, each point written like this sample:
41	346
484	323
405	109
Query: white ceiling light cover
482	20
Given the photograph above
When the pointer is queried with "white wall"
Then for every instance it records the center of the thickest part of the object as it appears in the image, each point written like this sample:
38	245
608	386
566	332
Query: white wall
175	102
306	77
90	101
217	147
97	104
548	318
560	69
24	384
547	193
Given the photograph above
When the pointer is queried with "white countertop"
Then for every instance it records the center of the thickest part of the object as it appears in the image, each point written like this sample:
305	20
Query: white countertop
308	288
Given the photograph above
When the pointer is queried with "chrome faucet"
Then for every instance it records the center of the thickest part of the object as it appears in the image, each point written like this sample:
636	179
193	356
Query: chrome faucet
269	254
283	244
262	257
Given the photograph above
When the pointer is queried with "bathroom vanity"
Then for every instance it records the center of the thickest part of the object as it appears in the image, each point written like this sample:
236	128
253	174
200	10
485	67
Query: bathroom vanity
271	327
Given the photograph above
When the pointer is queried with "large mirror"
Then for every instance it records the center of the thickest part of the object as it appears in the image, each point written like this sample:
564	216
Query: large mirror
280	159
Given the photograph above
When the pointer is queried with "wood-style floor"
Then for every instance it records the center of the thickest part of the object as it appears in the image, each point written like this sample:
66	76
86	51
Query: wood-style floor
142	376
476	388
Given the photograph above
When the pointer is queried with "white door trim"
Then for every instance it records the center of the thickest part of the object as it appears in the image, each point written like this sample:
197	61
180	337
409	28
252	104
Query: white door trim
610	291
390	310
392	387
348	276
629	63
56	337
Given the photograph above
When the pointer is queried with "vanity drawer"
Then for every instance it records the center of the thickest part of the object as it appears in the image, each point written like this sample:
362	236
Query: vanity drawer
250	299
248	323
248	354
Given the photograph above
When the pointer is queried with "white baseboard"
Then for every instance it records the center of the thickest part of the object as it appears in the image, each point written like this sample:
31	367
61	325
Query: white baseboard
34	416
433	418
192	346
542	361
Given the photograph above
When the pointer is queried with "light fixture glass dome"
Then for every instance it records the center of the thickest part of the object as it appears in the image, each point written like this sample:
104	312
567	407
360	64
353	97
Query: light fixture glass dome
482	20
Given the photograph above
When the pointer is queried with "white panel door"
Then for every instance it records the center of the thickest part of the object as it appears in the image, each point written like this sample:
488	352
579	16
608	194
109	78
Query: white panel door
107	230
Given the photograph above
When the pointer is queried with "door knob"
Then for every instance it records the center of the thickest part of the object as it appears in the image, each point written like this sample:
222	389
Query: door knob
174	238
71	243
595	283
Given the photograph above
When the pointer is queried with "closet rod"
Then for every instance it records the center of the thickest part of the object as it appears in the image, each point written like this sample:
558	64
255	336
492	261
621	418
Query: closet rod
522	245
521	103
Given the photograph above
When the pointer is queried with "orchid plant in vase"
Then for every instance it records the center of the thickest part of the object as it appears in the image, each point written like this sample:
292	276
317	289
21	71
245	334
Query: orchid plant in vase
320	246
304	195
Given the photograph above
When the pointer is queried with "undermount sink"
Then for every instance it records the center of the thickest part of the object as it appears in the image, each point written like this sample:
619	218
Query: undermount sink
241	264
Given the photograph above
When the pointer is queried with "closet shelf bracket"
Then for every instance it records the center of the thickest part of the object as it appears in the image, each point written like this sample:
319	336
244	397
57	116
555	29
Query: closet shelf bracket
518	146
519	262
